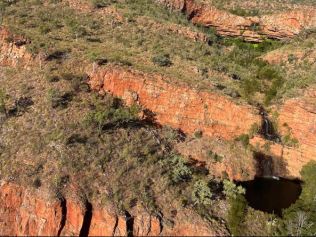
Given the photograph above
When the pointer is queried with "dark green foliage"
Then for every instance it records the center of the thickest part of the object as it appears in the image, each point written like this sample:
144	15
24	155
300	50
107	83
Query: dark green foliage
59	99
201	194
236	214
111	111
300	218
162	60
102	3
180	171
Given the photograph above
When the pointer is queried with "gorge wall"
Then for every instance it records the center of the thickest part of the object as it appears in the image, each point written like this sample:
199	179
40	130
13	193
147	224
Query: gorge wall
282	25
33	212
191	110
177	105
297	119
215	115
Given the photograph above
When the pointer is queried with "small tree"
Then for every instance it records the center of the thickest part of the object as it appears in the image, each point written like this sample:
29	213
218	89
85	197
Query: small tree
300	225
2	102
201	194
231	190
180	172
162	60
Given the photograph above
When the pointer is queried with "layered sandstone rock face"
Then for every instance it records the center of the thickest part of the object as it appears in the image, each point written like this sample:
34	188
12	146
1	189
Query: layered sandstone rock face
297	118
23	213
276	26
13	50
176	105
27	212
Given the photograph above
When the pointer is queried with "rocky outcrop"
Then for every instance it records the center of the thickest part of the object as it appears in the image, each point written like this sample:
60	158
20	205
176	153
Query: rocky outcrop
177	105
282	25
297	121
13	50
25	211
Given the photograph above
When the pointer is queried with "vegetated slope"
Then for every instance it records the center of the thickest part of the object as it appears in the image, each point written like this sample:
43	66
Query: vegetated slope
98	160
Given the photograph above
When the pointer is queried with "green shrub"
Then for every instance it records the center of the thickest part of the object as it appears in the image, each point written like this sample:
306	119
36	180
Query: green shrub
2	102
180	171
244	139
238	205
201	194
272	92
231	190
198	134
112	113
59	99
236	214
102	3
214	156
162	60
245	12
292	58
289	140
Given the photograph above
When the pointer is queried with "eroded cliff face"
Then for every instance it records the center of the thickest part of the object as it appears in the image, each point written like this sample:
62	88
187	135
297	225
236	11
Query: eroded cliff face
33	212
276	26
176	105
297	120
13	49
24	213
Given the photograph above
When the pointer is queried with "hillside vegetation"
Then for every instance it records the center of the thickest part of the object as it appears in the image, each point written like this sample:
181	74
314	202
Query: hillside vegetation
56	132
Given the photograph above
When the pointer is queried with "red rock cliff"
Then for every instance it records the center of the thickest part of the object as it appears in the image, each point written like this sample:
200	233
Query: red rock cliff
12	49
297	118
177	106
277	26
24	212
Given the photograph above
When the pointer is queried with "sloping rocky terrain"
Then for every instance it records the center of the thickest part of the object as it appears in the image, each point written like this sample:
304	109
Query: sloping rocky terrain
141	118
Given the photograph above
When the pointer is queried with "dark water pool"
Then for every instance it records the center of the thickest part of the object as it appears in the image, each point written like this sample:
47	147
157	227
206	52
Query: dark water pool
271	195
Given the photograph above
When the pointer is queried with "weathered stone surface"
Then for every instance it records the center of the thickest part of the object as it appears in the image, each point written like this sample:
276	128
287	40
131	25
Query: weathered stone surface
177	106
12	50
74	218
146	224
297	117
25	213
105	222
